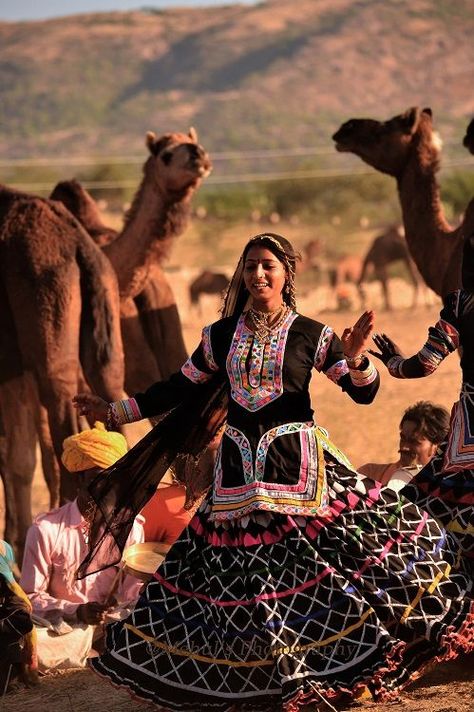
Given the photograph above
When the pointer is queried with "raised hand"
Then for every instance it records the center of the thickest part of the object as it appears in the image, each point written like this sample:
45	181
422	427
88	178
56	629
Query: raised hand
93	407
387	348
355	339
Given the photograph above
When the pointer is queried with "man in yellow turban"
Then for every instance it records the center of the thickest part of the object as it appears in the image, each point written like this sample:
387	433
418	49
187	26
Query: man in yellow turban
72	611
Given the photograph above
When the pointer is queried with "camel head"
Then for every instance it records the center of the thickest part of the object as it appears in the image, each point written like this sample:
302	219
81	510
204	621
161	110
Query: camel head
468	140
177	163
388	146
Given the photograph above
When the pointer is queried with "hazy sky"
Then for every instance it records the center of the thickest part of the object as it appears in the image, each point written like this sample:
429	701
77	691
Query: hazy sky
40	9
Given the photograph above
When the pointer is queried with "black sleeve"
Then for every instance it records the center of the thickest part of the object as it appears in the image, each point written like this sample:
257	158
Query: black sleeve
361	383
199	369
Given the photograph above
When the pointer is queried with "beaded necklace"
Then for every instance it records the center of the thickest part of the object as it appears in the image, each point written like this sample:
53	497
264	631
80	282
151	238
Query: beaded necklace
264	324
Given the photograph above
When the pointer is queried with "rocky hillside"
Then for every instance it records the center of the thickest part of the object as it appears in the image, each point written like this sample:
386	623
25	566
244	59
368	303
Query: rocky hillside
279	73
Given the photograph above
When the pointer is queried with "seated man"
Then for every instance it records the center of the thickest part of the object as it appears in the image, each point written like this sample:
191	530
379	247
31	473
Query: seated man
69	609
423	427
17	642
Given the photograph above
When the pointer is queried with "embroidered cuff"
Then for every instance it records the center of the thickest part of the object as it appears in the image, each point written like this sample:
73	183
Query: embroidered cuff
394	366
194	374
122	412
365	375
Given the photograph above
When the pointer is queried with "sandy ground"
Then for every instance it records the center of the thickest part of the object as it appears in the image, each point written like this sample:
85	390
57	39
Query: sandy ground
365	433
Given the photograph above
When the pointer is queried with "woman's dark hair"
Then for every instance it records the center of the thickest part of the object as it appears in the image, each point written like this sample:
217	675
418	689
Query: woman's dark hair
432	420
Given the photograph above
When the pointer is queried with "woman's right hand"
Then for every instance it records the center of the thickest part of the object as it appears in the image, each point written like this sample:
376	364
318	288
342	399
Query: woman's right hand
93	407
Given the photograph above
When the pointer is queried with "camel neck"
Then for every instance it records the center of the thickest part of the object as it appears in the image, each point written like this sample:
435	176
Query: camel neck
152	221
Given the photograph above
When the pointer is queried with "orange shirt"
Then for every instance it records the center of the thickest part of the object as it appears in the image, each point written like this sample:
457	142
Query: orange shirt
165	516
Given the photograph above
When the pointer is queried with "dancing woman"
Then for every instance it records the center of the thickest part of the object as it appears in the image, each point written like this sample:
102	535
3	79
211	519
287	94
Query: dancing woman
297	579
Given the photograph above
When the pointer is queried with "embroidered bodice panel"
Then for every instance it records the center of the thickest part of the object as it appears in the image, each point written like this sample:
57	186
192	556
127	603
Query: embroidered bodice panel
270	456
255	367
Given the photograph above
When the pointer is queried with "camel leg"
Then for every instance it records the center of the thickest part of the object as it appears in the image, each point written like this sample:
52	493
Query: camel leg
106	378
20	459
50	466
382	276
161	323
141	367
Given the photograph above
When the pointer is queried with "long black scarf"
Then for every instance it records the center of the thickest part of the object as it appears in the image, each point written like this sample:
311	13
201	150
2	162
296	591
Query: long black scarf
121	491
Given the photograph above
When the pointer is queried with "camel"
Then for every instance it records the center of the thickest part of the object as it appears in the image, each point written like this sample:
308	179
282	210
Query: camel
406	147
468	140
385	249
151	327
58	316
207	283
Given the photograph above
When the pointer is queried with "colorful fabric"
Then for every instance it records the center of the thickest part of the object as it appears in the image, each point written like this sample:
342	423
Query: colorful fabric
7	561
272	611
91	448
55	546
306	497
459	453
445	486
165	516
122	412
255	368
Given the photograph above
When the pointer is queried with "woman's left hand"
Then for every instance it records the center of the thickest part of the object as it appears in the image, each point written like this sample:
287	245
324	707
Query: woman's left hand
355	339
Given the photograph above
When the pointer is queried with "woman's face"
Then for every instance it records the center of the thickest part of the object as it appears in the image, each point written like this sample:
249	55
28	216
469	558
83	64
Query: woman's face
264	277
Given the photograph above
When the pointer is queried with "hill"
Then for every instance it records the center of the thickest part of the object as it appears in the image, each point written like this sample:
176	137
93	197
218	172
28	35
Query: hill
277	74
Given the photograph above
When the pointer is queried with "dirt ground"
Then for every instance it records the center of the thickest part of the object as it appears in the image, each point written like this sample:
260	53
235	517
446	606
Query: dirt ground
366	434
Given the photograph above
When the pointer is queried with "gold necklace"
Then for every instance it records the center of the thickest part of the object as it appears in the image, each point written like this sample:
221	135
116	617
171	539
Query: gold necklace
264	324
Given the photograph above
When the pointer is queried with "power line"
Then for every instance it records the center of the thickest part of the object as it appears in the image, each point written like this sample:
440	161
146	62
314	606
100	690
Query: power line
138	160
235	178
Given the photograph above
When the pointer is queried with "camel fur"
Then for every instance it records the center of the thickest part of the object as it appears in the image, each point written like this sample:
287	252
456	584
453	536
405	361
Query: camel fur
407	148
59	318
151	327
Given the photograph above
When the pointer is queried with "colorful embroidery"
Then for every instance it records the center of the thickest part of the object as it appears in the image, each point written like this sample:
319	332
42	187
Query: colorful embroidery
189	370
306	497
255	386
459	454
442	340
394	366
207	349
324	343
337	370
245	450
123	411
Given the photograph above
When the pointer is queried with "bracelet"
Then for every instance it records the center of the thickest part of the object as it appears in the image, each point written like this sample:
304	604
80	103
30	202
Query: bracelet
394	366
352	360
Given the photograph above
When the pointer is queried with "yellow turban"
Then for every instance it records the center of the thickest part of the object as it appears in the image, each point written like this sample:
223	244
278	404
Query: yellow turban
96	447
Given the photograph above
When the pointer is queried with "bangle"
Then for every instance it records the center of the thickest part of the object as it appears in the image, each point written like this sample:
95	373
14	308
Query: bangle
354	360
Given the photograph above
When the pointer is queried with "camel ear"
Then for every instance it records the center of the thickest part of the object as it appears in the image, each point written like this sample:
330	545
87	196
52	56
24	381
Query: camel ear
150	139
410	119
192	133
427	110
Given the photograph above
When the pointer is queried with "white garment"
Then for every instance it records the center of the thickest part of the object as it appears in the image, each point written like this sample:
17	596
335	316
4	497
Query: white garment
402	477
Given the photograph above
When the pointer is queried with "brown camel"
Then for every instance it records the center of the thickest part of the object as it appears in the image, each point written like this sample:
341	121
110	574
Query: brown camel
58	315
406	147
151	327
387	248
207	283
468	140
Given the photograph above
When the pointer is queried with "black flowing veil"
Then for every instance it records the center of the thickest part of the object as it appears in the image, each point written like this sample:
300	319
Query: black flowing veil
120	492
